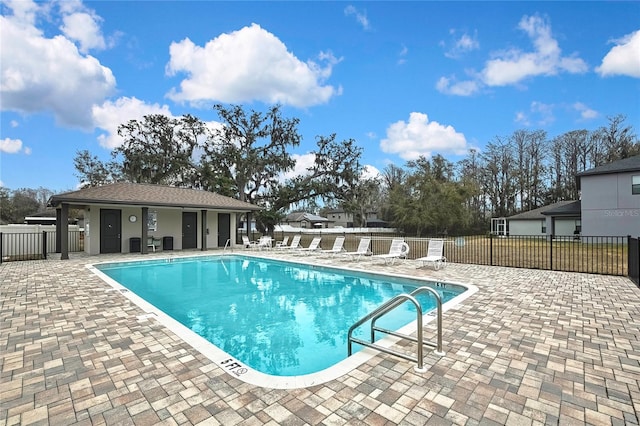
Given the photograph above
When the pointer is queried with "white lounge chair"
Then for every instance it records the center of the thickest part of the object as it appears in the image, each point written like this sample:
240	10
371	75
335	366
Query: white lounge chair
283	243
247	243
434	254
265	243
362	250
314	245
398	250
338	247
295	243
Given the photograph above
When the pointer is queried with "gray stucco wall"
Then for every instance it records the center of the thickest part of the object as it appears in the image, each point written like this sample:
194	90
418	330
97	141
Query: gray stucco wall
608	206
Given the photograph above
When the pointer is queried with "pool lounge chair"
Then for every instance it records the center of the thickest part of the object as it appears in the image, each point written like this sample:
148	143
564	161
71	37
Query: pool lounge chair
434	254
338	247
362	250
295	243
247	243
265	243
314	245
398	250
283	243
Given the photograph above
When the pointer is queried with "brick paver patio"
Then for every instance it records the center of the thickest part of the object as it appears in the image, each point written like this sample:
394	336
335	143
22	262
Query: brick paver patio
530	347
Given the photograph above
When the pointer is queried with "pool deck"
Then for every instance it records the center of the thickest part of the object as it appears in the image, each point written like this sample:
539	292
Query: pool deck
530	347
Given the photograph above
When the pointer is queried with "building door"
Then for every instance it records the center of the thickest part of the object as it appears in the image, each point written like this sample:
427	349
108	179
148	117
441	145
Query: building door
224	228
189	230
110	231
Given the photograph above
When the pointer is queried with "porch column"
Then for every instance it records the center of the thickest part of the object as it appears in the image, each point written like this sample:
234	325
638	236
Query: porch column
64	231
203	230
58	229
144	231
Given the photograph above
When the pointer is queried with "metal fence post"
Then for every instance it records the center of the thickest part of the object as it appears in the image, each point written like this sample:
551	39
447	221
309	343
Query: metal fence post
1	247
491	249
551	253
44	245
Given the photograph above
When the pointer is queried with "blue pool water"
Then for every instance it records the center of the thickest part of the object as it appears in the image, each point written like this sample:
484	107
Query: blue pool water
279	318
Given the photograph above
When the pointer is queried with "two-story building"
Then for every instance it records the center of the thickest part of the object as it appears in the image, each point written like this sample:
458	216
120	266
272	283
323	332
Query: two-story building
609	205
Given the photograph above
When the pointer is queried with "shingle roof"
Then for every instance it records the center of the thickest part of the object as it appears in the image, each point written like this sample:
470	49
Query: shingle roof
151	195
630	164
540	212
300	216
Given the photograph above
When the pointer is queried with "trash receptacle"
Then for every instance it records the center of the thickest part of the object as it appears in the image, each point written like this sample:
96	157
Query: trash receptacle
167	243
134	245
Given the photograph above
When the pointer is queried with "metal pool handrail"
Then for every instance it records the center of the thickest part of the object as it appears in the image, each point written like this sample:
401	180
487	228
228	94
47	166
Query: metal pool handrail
388	307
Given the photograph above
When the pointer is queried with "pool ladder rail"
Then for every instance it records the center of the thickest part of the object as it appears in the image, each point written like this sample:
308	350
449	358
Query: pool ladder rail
387	307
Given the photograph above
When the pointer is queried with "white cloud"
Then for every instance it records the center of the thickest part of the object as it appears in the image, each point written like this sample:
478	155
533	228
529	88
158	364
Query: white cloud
402	56
10	146
14	123
419	136
461	88
460	45
623	58
83	28
303	162
586	113
361	17
248	65
48	74
539	113
110	115
512	66
369	172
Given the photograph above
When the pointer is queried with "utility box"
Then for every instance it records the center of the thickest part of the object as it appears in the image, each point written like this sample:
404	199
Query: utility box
134	245
167	243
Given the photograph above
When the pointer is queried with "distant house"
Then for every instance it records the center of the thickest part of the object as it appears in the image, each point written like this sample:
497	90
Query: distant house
610	197
609	205
306	220
560	219
127	217
46	218
345	220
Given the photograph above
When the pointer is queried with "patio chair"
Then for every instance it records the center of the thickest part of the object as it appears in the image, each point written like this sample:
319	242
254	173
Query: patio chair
282	243
434	254
362	250
247	243
314	245
398	250
153	243
338	247
295	243
265	243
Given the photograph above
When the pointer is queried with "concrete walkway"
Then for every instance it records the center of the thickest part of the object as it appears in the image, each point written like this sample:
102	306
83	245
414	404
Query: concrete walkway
530	347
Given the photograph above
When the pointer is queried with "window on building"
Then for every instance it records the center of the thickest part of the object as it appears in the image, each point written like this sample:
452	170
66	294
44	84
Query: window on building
635	185
544	226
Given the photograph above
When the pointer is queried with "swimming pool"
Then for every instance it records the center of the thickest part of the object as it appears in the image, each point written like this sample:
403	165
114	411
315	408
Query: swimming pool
273	317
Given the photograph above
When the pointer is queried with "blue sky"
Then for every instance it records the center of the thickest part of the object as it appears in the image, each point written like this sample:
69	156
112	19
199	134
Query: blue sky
401	78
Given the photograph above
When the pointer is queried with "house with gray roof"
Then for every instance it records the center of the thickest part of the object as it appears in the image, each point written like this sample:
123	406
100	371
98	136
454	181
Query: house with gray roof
306	220
609	205
130	217
560	219
610	196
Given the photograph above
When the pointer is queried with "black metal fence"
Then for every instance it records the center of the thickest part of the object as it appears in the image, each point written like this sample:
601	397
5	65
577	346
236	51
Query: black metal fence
634	260
35	245
589	254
